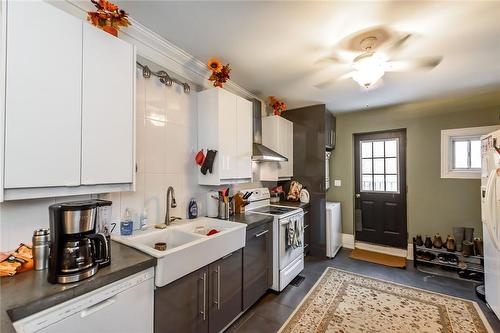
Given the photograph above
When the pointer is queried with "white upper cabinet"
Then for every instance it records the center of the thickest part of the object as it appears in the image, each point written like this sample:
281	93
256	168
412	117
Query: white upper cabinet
277	134
244	137
107	108
225	125
69	105
43	90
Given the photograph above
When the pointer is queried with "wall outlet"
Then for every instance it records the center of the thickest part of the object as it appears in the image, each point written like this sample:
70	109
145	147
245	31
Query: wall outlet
337	183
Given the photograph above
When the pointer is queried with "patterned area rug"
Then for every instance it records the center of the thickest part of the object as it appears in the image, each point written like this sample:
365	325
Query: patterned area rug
342	301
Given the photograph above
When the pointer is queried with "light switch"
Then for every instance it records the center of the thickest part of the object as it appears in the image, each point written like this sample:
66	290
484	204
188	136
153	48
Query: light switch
337	183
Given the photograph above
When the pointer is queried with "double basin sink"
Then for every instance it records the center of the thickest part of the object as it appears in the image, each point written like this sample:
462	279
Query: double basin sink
188	245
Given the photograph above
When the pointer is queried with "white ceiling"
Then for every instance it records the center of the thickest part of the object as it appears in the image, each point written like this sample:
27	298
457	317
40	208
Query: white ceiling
273	47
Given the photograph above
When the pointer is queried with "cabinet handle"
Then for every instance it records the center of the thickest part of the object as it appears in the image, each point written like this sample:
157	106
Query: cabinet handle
261	233
218	287
204	312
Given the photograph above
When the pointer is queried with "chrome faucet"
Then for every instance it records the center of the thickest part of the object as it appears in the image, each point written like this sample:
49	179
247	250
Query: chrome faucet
172	204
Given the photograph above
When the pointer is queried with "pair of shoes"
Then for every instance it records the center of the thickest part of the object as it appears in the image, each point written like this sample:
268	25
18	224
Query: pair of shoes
447	259
469	275
424	255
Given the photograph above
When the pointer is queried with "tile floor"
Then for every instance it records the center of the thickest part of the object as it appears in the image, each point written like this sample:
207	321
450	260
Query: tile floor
273	309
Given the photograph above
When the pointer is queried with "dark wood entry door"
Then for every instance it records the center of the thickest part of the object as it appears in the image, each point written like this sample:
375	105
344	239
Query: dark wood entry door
380	185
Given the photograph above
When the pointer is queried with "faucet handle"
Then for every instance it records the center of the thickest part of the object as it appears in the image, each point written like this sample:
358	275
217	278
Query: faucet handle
173	218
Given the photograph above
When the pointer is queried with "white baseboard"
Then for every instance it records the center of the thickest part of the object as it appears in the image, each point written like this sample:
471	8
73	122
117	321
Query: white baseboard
349	243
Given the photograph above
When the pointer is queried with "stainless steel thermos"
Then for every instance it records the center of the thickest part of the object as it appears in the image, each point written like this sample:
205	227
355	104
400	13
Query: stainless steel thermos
41	246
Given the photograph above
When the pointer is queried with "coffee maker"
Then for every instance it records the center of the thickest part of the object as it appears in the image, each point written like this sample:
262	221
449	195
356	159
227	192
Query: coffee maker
76	249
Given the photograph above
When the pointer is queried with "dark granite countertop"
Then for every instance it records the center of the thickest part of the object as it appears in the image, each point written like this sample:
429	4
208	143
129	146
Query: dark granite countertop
251	220
297	204
27	293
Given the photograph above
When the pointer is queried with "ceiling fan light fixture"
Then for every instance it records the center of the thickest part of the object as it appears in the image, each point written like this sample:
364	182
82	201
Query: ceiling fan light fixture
369	68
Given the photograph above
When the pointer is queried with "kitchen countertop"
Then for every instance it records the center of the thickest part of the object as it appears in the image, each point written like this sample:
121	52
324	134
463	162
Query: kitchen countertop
251	220
27	293
297	204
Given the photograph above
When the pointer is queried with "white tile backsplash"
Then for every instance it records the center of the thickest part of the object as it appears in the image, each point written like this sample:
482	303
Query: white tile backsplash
166	143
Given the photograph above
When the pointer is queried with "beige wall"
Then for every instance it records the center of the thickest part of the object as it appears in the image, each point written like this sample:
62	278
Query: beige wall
434	204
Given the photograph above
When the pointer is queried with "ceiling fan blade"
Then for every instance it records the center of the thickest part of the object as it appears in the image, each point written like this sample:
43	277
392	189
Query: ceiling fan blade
331	82
407	65
392	48
335	58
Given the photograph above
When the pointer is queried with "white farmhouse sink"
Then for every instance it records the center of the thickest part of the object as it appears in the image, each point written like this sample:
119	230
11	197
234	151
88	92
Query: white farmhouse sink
188	246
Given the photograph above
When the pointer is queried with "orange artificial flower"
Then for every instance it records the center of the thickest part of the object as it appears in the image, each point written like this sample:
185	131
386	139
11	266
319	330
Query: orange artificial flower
214	65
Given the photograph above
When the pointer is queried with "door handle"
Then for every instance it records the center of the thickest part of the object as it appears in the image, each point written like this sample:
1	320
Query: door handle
204	312
97	307
217	271
358	196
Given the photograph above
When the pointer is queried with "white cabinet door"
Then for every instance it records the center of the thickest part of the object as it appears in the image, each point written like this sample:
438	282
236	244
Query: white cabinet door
43	96
285	144
227	135
244	138
107	108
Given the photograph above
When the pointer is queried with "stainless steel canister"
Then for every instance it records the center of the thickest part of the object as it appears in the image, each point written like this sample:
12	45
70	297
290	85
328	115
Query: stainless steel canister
41	246
223	212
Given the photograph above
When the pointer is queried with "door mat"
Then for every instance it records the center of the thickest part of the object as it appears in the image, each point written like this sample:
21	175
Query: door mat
297	280
378	258
342	301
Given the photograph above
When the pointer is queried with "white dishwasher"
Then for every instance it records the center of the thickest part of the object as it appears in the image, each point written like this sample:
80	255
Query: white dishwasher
124	306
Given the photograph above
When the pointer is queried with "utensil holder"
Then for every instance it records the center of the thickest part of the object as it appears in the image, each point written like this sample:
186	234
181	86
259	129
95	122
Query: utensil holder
223	212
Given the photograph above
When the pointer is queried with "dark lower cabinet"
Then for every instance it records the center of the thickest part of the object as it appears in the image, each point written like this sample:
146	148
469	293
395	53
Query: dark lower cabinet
257	263
204	301
225	291
182	306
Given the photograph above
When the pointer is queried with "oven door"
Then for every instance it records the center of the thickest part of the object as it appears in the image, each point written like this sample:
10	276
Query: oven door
289	252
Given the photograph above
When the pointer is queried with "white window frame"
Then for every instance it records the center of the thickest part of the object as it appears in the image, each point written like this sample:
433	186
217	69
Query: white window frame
447	138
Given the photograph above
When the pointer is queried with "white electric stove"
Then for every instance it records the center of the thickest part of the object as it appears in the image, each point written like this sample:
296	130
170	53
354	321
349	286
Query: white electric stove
288	236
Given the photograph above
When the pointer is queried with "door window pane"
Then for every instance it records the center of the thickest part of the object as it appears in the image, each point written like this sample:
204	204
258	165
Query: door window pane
475	154
391	148
366	165
378	149
366	149
378	165
460	154
378	183
391	165
391	183
366	183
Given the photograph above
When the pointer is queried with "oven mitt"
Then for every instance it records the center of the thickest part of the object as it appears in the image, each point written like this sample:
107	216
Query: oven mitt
209	162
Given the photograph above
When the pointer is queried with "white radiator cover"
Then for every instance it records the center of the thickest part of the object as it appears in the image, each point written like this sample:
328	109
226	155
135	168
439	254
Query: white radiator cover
333	228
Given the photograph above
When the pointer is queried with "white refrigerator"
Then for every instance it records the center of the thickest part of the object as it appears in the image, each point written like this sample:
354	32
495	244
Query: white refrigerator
490	211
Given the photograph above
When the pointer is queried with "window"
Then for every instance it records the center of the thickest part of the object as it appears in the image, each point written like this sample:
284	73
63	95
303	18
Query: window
461	151
379	165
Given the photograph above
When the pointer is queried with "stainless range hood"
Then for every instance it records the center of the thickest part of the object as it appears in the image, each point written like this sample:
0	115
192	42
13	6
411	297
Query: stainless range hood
260	152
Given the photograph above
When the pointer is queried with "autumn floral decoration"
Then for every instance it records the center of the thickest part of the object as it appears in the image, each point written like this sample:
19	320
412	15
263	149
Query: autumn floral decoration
220	73
108	17
277	105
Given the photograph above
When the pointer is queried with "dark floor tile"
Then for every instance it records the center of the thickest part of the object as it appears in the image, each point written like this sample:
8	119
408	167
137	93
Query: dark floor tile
273	309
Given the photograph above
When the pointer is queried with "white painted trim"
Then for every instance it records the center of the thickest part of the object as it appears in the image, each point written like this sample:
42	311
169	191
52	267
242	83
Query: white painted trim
446	156
157	49
381	249
3	78
348	241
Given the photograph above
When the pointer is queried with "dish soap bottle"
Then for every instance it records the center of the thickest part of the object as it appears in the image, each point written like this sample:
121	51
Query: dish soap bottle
193	209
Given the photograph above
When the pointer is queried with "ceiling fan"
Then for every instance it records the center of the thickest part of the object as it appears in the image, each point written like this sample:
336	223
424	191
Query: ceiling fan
373	59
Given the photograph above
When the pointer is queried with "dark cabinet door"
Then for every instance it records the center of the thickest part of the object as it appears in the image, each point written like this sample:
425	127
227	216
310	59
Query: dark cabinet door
182	306
257	263
329	131
225	279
